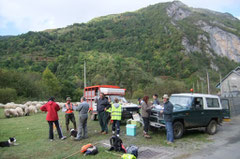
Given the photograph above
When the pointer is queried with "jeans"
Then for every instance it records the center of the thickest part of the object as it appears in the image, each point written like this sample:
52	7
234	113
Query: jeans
169	129
146	124
102	118
59	130
116	123
82	126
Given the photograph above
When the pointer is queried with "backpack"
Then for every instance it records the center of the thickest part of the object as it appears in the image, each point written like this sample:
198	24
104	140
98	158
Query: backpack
85	147
132	150
128	156
91	151
117	144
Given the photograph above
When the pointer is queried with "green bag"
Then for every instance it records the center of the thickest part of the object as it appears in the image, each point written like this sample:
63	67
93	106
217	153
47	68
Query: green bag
128	156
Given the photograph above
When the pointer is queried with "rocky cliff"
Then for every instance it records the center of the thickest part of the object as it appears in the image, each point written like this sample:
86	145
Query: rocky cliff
216	38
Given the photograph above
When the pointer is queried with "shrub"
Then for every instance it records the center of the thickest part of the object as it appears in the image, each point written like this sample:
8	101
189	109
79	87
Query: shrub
7	95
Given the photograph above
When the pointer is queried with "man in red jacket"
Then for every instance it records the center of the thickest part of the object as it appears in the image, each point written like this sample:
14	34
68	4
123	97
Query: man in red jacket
52	117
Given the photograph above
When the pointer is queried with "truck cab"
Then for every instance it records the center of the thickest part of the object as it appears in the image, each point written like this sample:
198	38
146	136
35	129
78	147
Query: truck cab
191	110
111	92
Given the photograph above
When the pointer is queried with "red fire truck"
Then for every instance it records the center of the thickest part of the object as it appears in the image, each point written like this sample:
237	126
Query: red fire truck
111	92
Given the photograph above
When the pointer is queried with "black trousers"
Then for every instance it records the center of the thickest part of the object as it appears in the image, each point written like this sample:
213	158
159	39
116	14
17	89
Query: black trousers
59	130
146	124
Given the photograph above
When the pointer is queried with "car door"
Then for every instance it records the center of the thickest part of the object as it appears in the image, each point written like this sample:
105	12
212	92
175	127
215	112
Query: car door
195	116
225	108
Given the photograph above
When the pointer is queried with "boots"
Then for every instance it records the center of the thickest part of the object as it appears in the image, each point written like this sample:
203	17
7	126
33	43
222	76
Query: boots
145	134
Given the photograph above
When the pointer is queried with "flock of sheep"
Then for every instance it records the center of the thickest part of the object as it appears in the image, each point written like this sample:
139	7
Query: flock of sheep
17	110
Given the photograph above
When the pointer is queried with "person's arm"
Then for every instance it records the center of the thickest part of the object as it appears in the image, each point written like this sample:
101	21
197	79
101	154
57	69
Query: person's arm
168	109
43	108
79	107
57	108
64	109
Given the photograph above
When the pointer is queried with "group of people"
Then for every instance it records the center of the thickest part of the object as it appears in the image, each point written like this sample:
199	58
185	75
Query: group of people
51	107
106	110
167	111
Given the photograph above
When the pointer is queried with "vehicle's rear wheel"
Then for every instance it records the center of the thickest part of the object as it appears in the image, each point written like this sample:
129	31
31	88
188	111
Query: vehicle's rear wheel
212	127
178	129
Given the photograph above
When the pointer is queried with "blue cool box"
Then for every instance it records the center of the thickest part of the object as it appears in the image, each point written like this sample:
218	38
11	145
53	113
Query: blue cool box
131	130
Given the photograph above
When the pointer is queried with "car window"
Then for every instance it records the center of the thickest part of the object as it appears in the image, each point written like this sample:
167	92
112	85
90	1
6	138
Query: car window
198	103
212	102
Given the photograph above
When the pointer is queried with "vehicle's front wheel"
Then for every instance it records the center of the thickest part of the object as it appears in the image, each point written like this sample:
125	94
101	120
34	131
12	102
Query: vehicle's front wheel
212	127
178	129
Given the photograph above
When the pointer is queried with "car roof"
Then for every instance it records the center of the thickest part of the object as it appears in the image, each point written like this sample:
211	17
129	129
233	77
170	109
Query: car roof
195	95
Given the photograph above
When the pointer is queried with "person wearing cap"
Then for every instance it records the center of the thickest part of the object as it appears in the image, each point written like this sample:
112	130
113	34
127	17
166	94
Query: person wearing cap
82	108
69	115
52	117
167	116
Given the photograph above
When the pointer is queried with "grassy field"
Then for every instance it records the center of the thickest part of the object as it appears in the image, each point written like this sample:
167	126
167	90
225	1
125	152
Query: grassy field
31	133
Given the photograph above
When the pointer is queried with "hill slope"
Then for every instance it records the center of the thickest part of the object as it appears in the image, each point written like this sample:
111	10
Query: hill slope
133	49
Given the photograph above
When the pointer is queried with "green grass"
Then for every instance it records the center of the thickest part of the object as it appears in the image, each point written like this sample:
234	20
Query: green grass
31	133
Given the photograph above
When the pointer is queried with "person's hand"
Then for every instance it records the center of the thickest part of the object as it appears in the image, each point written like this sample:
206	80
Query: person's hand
105	109
161	111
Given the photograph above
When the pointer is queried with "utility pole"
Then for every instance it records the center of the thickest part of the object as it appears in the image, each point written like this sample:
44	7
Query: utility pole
85	80
208	84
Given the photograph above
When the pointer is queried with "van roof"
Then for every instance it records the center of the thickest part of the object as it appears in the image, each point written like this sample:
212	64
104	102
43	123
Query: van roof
196	95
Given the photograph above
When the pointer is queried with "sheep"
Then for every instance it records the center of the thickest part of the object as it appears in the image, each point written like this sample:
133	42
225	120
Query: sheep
28	103
13	112
19	111
38	106
7	113
26	111
32	109
10	105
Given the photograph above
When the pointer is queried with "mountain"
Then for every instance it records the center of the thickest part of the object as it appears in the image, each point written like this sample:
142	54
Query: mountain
141	50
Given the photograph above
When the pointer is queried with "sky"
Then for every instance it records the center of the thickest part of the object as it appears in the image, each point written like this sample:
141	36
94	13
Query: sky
20	16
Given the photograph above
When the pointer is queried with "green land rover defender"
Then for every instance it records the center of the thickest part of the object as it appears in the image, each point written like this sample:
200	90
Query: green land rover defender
192	110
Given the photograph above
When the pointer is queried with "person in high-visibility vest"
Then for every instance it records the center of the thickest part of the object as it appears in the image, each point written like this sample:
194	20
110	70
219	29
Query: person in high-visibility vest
69	115
116	116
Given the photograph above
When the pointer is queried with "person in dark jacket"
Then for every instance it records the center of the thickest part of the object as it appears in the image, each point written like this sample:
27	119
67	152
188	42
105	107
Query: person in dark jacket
102	106
82	108
52	117
167	115
146	109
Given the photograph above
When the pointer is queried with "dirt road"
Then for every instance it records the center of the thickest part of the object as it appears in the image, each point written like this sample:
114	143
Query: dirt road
226	143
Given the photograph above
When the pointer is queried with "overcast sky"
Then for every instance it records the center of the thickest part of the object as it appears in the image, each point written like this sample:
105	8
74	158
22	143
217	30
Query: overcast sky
21	16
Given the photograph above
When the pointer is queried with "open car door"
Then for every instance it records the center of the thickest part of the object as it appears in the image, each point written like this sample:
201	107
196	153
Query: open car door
225	108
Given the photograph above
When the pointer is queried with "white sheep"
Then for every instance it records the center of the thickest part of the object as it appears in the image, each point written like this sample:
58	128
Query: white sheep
19	111
38	106
26	111
7	113
32	109
13	112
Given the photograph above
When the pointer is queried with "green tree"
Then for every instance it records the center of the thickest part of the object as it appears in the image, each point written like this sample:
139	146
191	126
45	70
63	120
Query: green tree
52	83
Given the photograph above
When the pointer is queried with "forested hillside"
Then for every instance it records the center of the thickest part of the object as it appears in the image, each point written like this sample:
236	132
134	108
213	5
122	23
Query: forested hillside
163	48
